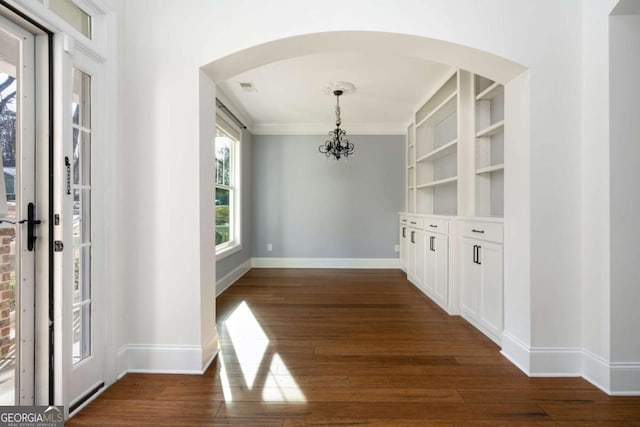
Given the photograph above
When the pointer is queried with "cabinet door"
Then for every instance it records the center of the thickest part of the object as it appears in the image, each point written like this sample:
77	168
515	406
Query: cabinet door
429	264
411	254
491	288
420	236
469	279
440	245
404	247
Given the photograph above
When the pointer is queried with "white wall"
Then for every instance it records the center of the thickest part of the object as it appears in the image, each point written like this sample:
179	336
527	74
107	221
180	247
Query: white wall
595	299
164	50
624	163
308	206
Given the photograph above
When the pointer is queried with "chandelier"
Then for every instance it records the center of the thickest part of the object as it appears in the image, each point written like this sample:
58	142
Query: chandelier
337	145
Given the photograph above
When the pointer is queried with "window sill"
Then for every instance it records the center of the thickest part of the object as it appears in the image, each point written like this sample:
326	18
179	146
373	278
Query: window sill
227	251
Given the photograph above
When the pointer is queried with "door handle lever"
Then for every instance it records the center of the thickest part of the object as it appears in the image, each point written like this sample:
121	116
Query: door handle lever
31	224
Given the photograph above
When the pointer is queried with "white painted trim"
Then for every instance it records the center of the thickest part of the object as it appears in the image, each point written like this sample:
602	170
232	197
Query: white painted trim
230	278
122	363
625	379
164	359
210	351
228	251
615	379
555	362
542	361
596	370
323	129
325	263
516	351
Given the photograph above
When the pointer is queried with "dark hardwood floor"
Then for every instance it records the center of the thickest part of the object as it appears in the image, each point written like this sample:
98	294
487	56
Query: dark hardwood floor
351	348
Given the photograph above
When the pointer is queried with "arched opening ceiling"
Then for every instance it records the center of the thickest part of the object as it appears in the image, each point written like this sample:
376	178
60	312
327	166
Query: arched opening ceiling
393	74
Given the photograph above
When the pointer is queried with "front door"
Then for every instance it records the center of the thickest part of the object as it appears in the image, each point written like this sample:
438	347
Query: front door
18	214
79	264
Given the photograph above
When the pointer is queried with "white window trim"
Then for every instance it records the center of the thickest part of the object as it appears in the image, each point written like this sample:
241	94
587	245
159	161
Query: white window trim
227	249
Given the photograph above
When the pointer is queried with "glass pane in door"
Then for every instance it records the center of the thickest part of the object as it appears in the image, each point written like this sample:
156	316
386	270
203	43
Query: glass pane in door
9	60
82	298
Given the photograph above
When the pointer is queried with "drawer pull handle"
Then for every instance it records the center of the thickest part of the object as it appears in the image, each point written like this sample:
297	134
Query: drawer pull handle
477	231
432	240
433	226
404	231
413	222
413	233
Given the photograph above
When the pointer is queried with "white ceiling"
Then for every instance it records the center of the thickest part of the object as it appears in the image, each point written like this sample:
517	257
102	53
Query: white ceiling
290	96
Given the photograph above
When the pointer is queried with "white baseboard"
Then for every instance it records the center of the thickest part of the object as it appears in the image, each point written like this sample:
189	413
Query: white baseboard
210	350
541	361
615	379
229	279
596	370
555	362
516	352
122	363
164	359
625	379
325	262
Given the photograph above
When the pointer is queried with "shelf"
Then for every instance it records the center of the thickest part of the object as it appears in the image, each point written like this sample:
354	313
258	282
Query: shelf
496	89
442	111
439	182
491	130
446	149
490	169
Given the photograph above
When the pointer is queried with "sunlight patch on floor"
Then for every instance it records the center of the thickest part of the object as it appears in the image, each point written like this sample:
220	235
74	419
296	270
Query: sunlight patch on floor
281	387
271	378
224	379
249	341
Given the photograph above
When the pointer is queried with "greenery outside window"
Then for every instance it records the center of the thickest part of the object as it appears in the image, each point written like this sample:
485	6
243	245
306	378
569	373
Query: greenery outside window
227	145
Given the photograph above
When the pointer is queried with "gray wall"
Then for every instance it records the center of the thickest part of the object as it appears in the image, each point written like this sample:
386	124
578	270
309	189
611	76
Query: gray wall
308	206
228	264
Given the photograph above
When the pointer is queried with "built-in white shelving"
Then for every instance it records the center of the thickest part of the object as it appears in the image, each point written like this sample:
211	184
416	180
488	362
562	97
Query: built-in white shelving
438	182
489	147
442	151
442	111
490	169
491	129
494	90
455	149
435	141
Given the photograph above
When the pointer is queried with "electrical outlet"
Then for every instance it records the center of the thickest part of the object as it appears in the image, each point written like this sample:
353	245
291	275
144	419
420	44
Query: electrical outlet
397	248
269	247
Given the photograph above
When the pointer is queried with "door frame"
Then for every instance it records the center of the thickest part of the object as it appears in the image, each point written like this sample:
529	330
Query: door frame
33	354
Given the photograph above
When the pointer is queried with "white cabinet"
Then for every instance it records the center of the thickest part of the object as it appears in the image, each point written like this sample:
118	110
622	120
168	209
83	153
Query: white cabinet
436	261
437	267
404	243
418	278
424	250
481	278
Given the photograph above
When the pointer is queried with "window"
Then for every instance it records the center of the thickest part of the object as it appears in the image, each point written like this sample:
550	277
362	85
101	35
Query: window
74	15
82	298
227	188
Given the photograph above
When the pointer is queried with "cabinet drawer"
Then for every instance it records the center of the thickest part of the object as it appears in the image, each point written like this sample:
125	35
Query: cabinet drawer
414	222
439	226
490	231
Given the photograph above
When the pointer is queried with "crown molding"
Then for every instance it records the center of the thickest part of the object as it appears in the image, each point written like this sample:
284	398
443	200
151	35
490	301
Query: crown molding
323	129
